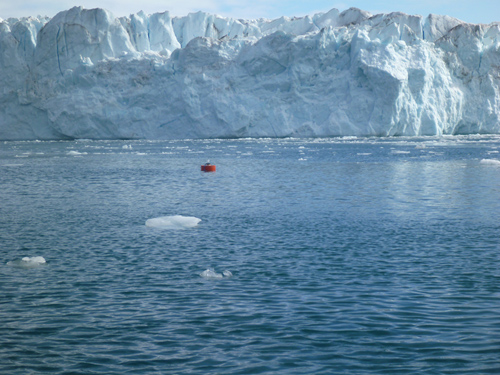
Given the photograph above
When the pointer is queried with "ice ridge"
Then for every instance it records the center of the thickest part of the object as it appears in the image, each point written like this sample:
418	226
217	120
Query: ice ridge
88	74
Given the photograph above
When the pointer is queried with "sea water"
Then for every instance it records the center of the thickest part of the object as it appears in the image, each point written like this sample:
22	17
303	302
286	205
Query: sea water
343	256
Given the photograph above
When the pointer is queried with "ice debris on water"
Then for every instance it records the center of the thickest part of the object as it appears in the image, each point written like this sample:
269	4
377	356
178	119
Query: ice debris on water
27	262
173	222
491	162
76	153
211	274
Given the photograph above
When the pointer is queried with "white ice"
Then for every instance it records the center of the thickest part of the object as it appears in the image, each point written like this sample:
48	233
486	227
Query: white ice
211	274
86	74
491	162
27	262
173	222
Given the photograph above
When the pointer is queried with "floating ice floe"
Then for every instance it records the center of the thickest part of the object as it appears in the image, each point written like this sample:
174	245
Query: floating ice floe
173	222
27	262
491	162
76	153
211	274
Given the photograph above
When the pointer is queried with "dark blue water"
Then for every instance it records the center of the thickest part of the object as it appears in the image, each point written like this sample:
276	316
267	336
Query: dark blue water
349	256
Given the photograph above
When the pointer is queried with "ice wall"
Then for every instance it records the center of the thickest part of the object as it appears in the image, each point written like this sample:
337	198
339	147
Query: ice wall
87	74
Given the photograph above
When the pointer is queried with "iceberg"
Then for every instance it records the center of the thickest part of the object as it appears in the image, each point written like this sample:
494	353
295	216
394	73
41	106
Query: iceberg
87	74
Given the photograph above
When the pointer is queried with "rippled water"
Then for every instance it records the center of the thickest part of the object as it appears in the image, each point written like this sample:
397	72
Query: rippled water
348	256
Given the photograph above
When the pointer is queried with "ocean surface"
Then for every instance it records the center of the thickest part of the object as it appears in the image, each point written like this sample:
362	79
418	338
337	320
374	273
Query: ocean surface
347	256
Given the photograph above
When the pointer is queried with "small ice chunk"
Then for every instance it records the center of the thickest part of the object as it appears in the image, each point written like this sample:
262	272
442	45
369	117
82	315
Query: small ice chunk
210	274
491	161
27	262
37	259
227	273
76	153
173	222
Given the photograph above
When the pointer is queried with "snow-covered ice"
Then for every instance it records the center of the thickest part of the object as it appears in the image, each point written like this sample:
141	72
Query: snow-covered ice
88	74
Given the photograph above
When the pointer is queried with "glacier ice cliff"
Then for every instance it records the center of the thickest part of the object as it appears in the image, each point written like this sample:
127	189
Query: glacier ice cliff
87	74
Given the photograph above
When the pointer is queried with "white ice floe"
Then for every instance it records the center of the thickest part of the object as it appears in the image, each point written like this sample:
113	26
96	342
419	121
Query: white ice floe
491	162
173	222
27	262
211	274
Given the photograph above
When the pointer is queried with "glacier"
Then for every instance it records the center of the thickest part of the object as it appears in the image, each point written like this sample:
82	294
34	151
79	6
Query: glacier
87	74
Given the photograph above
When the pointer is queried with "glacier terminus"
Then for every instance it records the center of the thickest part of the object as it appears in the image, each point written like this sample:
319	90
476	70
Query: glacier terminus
86	74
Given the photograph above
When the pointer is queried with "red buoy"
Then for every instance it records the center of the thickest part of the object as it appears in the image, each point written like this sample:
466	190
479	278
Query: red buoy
208	167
